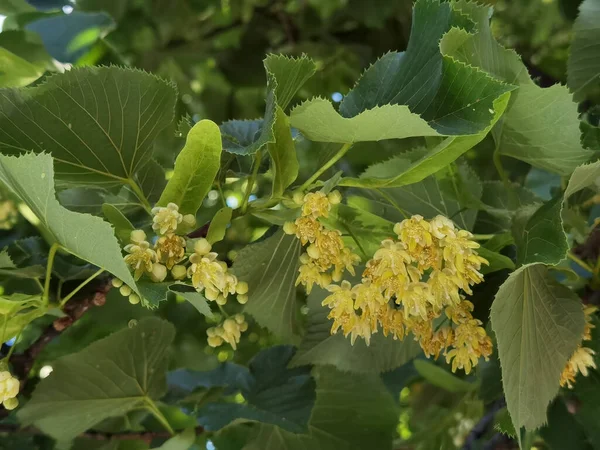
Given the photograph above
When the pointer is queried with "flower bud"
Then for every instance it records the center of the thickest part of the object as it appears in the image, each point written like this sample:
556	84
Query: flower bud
125	290
202	247
313	251
210	332
334	197
221	300
134	299
239	318
137	236
189	220
298	197
11	403
211	294
243	327
116	282
289	228
214	341
242	299
159	272
178	272
230	326
242	287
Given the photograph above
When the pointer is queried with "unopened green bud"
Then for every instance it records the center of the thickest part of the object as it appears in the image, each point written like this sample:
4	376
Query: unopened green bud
116	282
125	290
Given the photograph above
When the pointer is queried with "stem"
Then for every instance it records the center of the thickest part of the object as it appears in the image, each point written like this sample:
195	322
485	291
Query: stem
504	177
335	158
251	181
223	311
78	288
580	262
39	283
51	255
221	194
483	237
151	406
139	194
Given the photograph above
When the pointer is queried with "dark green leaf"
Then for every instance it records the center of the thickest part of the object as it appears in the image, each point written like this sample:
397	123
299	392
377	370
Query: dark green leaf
98	123
270	268
196	299
112	376
290	73
584	59
123	226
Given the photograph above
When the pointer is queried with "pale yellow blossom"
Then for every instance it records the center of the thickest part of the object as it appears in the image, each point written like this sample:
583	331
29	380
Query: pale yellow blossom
166	219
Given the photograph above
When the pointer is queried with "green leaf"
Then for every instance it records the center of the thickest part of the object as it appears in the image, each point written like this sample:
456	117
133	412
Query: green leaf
98	122
563	430
290	73
319	347
504	424
182	441
9	268
15	7
496	260
542	238
17	311
196	299
31	177
528	130
112	376
583	177
270	267
16	71
195	168
351	412
436	194
218	225
123	226
583	70
273	393
442	378
538	325
393	99
151	179
400	174
284	163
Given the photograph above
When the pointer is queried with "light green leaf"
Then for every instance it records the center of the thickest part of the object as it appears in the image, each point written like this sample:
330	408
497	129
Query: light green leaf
319	347
540	125
538	325
31	177
16	71
98	122
351	412
432	161
283	156
196	299
583	70
17	311
15	7
290	73
583	177
110	377
270	267
195	168
442	378
218	225
183	441
123	226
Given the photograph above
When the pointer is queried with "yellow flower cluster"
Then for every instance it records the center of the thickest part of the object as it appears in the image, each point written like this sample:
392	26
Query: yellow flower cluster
326	256
212	277
229	331
410	282
583	357
9	388
8	214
